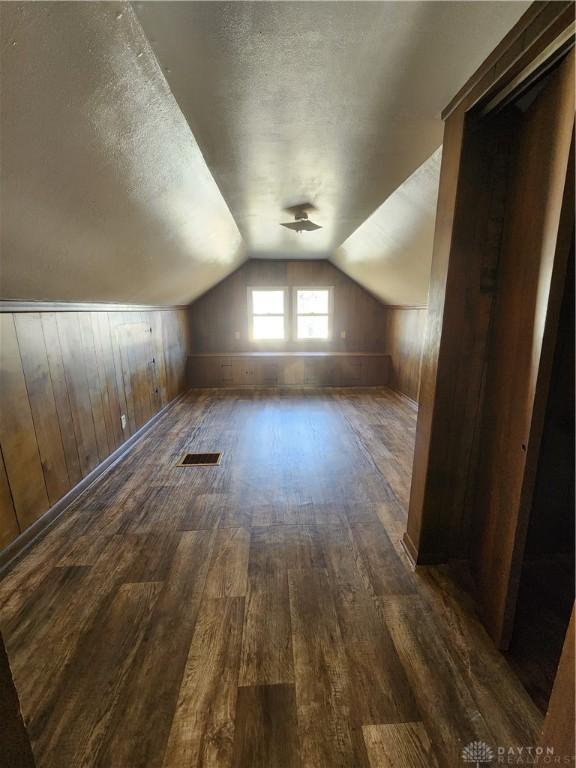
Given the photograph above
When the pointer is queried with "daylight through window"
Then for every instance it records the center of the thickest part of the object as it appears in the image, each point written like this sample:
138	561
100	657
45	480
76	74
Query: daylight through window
313	313
268	313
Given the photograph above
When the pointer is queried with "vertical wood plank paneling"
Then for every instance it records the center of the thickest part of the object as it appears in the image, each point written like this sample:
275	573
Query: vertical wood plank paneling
9	527
60	389
147	367
403	336
114	321
156	324
42	403
101	365
123	368
116	397
66	380
150	379
17	435
132	334
94	385
135	364
222	312
184	341
78	389
170	346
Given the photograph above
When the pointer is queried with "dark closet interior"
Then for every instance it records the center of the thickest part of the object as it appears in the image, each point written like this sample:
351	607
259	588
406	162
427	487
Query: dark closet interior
546	593
521	483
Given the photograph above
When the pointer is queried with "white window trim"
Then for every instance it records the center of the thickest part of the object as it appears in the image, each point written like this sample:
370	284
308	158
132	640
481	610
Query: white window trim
284	290
295	289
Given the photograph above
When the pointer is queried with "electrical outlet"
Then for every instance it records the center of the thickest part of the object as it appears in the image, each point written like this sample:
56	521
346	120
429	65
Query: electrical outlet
123	421
236	334
342	334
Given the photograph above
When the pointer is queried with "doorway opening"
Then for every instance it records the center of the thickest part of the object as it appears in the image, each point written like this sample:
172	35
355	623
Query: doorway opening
547	583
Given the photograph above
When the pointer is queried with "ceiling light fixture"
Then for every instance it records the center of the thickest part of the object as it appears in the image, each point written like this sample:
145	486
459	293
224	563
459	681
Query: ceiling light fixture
301	221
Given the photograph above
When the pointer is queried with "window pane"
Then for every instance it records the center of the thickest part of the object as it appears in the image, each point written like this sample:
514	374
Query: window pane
315	302
268	327
313	327
268	302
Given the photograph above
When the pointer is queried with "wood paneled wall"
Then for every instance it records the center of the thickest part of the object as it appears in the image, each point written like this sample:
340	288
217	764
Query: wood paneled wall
370	326
403	336
292	369
66	378
220	314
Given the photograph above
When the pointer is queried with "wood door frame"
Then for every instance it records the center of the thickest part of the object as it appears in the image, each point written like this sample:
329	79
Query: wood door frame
558	729
452	359
498	596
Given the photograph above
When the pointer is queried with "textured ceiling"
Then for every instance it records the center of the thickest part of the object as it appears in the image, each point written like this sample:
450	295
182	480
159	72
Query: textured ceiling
336	103
143	163
105	194
390	253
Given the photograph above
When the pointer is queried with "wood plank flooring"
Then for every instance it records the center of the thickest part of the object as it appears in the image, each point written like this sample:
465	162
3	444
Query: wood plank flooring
258	614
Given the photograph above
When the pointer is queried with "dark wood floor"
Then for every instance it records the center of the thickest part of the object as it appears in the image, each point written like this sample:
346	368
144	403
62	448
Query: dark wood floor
256	614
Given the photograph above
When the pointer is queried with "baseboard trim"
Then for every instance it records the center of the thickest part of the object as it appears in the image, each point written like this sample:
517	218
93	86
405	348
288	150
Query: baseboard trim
410	549
11	554
418	558
404	396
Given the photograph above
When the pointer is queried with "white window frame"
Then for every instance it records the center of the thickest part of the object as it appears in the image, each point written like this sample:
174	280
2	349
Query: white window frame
251	313
330	289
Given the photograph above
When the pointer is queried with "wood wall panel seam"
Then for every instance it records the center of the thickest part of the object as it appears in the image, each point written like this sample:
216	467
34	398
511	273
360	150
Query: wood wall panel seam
62	396
28	396
17	433
50	373
9	525
36	369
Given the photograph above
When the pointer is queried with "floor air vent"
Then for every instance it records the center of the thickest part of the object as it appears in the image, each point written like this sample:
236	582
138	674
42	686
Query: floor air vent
200	460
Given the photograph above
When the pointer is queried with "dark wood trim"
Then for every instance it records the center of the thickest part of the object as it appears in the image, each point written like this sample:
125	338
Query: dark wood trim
410	549
11	554
404	396
17	305
430	525
558	730
427	412
542	388
542	23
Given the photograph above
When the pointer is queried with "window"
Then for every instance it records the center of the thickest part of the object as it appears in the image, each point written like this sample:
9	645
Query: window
267	308
313	313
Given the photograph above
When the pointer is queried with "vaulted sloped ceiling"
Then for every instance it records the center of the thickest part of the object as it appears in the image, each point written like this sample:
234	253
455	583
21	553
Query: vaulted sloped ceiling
390	252
147	150
105	194
332	102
